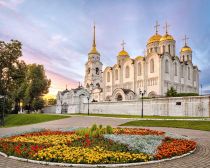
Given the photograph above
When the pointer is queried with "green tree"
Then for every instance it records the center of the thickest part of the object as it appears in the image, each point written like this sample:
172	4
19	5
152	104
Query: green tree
51	101
9	54
37	84
171	92
38	104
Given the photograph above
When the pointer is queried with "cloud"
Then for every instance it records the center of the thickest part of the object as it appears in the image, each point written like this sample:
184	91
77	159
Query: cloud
11	4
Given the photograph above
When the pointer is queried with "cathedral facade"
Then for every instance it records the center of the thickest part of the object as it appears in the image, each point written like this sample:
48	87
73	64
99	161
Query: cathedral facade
154	73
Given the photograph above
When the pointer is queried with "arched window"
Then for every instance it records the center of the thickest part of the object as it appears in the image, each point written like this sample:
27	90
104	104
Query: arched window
169	49
108	76
87	86
166	66
189	73
163	48
151	66
88	70
97	71
116	74
139	69
175	69
188	58
155	49
127	72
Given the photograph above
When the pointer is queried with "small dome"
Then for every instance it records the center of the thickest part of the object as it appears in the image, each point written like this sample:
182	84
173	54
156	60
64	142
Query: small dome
94	51
123	53
166	37
186	48
154	38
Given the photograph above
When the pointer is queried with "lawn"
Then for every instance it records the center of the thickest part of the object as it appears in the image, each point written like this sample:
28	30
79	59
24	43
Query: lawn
196	125
139	116
24	119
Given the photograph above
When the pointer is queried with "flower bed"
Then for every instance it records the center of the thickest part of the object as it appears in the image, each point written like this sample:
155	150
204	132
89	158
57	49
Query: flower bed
96	145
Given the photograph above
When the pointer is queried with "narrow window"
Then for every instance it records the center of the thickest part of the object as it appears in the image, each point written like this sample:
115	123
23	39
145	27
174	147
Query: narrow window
166	66
97	71
169	50
116	74
163	49
151	66
108	76
139	69
127	72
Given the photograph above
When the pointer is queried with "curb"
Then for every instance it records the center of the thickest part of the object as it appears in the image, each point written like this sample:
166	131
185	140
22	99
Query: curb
95	165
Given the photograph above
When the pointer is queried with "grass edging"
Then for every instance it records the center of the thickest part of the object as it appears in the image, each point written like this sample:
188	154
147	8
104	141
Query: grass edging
186	124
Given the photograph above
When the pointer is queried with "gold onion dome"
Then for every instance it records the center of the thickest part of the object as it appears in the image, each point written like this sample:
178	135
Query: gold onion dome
166	37
123	53
154	38
186	48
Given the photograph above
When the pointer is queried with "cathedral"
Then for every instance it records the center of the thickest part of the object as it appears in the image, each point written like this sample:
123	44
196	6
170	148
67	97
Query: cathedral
154	73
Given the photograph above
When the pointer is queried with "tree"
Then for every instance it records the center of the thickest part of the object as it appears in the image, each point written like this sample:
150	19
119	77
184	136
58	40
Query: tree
37	84
171	92
19	81
9	54
37	104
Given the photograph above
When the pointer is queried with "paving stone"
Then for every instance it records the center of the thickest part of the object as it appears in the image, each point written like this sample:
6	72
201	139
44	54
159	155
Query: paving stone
199	159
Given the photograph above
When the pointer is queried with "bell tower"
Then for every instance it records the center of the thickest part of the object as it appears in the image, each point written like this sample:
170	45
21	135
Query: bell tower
93	67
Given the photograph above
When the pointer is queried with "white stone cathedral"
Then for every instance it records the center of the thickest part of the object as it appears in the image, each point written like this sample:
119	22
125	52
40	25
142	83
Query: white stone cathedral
155	72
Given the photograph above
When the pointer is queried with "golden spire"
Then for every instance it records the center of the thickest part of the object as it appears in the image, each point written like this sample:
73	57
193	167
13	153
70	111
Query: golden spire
94	50
156	27
166	27
94	36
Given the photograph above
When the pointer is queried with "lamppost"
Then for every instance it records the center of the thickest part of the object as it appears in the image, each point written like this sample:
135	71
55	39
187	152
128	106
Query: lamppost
3	109
21	107
88	98
142	93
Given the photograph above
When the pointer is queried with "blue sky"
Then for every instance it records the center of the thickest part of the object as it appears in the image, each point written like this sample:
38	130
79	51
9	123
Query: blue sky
58	33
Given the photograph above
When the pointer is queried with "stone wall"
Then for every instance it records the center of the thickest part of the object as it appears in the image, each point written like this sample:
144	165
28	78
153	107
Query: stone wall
50	110
188	106
198	106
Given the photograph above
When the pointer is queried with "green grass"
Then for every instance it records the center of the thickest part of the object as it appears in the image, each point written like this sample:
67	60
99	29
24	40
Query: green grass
25	119
196	125
139	116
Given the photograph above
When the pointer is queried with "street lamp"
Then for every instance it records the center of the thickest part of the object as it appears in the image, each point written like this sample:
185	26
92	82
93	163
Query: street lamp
88	98
142	93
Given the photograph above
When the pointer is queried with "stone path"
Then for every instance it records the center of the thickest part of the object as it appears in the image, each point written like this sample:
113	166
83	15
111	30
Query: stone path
199	159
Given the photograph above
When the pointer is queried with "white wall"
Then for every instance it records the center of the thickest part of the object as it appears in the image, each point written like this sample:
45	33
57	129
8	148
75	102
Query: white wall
190	106
197	106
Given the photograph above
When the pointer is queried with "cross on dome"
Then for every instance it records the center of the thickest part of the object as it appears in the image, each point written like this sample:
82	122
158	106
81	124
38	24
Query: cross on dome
185	40
123	44
156	27
166	27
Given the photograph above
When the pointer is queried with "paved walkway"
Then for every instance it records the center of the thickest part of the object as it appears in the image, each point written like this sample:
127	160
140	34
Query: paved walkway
199	159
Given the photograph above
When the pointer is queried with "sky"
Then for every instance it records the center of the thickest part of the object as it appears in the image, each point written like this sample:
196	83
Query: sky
58	33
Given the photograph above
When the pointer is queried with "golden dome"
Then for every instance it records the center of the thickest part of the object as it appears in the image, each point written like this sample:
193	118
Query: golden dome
154	38
186	48
94	51
166	37
123	53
